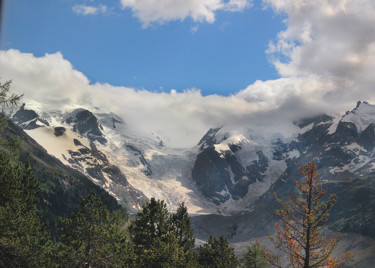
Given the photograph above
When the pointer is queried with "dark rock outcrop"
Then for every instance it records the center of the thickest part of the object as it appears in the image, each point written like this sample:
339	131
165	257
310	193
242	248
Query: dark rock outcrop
59	131
85	123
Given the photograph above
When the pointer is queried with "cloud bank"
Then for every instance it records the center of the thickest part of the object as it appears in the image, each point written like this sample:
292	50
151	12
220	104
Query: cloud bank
182	117
333	40
325	57
149	11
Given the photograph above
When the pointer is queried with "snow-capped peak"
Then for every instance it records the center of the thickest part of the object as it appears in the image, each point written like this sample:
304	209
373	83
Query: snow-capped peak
362	116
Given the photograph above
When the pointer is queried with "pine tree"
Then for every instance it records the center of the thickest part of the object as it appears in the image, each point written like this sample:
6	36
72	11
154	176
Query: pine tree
92	237
150	225
8	100
217	254
181	223
155	242
253	257
23	240
302	219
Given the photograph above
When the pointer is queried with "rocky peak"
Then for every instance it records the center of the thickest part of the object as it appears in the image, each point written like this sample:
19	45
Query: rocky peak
361	116
323	118
85	123
209	138
28	119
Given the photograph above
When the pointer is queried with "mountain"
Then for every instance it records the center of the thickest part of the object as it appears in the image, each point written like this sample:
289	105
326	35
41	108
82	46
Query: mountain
61	187
227	172
99	144
71	138
228	179
341	146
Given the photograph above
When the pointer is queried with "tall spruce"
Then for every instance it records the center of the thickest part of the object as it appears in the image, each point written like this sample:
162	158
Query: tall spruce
7	100
92	237
155	242
253	257
23	241
151	224
217	253
181	224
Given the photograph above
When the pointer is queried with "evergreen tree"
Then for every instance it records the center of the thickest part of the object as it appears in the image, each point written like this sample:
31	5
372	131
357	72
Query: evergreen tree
8	100
217	254
299	233
92	237
23	241
253	257
151	224
181	225
155	242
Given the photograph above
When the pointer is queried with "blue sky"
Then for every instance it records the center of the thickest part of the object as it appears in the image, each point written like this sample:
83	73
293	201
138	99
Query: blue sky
220	57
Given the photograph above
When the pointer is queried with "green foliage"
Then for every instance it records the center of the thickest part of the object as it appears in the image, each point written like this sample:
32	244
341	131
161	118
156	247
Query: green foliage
160	239
92	237
151	226
23	242
217	253
253	257
5	99
354	210
181	224
8	100
161	253
61	187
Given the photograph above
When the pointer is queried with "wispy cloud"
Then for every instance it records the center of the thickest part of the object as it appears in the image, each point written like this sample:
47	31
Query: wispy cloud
194	29
89	10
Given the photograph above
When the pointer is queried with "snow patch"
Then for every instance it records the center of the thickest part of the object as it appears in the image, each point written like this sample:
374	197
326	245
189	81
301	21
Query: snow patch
56	146
362	116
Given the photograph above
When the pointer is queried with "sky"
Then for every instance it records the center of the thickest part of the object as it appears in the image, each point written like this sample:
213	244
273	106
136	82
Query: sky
183	66
219	49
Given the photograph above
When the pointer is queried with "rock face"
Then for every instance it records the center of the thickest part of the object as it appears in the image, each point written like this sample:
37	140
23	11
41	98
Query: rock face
367	137
208	140
142	160
219	171
85	123
59	131
28	119
91	161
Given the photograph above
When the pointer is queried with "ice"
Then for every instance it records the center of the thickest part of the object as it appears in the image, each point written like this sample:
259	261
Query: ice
362	116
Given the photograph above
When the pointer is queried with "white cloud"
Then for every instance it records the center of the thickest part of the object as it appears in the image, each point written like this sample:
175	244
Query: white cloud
194	29
149	11
89	10
183	117
333	40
